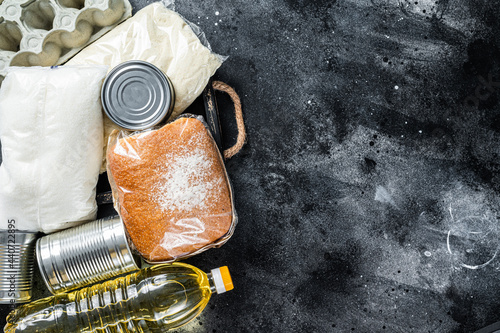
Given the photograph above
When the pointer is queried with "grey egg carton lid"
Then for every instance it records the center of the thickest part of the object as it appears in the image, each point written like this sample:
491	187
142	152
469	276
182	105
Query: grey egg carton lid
49	32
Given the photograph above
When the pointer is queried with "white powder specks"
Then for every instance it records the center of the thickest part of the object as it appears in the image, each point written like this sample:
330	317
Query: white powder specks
184	184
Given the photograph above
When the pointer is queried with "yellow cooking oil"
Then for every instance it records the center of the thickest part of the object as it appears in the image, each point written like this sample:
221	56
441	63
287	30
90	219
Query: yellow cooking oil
154	299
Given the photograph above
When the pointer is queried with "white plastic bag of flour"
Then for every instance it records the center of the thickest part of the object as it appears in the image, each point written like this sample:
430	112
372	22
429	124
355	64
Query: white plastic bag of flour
51	132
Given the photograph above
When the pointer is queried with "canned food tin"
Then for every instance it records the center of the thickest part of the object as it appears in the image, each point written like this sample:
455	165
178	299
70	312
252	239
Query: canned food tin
17	251
85	255
137	95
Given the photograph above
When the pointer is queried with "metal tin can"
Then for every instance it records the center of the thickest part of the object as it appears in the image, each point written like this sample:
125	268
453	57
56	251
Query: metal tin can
17	251
137	95
85	255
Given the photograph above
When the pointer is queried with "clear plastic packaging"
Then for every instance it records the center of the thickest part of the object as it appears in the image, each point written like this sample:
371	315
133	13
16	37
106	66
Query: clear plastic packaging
171	189
162	37
51	134
154	299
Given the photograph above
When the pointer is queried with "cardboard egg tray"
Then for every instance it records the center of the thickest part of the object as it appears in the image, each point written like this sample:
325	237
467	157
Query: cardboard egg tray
49	32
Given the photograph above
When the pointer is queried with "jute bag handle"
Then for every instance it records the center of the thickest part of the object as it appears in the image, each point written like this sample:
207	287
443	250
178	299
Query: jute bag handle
238	113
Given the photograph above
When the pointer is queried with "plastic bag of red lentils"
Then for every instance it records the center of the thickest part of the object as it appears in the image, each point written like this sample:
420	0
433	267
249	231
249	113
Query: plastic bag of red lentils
171	189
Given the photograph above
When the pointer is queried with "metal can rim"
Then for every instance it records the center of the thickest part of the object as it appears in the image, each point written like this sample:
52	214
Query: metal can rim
49	266
166	109
41	266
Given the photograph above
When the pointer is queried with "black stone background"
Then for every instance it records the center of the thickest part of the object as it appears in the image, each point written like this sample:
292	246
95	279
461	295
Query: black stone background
373	134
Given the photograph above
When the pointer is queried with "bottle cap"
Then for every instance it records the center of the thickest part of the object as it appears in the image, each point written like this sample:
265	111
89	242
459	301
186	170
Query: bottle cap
222	279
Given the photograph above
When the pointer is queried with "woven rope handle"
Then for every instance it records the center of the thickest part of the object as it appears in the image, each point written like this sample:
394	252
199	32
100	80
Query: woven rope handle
238	113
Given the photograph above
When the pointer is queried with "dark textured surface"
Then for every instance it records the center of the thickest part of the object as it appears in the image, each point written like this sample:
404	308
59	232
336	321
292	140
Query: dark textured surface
373	130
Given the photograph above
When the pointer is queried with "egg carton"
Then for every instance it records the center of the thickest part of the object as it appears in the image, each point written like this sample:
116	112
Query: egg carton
49	32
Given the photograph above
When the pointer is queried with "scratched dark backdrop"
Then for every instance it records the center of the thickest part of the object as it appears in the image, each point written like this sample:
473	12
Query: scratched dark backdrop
368	191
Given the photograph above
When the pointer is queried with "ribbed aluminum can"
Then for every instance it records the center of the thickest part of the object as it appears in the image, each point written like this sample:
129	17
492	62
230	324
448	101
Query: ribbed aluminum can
17	252
85	255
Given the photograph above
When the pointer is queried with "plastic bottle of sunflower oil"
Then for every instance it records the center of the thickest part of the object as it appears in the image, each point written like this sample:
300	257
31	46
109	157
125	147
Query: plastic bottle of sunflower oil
154	299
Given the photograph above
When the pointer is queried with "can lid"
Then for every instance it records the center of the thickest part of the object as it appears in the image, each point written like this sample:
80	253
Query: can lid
137	95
